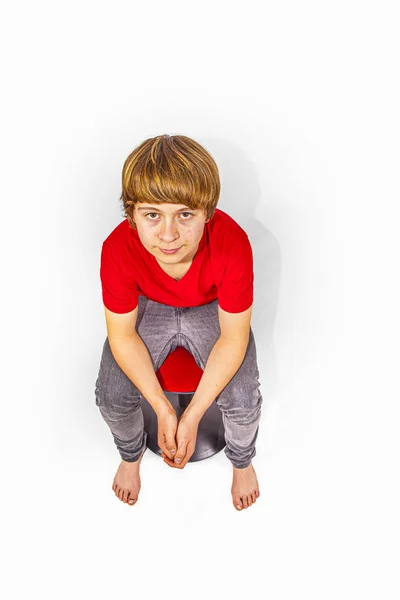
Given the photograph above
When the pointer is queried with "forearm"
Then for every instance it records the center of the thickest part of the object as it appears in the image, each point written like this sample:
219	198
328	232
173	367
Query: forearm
224	360
134	359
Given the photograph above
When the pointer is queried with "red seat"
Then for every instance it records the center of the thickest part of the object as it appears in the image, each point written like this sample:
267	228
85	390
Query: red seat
179	372
179	377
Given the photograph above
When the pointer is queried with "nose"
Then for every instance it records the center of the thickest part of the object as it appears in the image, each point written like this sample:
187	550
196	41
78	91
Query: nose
168	231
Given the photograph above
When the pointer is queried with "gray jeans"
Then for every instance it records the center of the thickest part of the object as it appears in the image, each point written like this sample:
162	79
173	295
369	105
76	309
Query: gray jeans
162	328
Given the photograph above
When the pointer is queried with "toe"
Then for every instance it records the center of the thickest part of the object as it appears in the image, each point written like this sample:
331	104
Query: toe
237	503
131	498
249	500
254	496
244	501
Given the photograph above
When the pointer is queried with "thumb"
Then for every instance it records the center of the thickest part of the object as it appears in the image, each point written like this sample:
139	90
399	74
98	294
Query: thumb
181	453
170	446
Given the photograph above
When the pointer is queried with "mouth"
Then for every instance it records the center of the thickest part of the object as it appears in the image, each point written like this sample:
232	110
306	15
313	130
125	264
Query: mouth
171	251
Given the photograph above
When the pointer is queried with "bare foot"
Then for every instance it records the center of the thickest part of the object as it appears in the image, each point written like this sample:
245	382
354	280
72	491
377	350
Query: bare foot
245	490
126	484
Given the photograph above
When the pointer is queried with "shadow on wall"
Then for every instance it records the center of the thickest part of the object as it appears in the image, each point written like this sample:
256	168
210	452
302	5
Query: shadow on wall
240	197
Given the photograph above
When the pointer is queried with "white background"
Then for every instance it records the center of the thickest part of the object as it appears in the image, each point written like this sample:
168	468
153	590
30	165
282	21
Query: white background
298	102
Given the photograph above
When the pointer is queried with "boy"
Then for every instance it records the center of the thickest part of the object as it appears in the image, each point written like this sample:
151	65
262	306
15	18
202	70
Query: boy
177	271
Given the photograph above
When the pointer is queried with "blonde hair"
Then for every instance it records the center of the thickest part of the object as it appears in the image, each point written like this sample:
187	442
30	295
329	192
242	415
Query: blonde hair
173	169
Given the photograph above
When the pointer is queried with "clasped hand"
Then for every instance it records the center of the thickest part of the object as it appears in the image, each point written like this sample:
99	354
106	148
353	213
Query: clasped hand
177	440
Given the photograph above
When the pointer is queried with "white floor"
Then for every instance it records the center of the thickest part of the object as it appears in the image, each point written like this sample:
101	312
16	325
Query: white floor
325	510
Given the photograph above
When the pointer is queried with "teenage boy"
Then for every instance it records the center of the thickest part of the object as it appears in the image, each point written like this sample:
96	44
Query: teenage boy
174	254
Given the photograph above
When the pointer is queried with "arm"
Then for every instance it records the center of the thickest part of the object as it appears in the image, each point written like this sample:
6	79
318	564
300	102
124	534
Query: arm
133	357
224	360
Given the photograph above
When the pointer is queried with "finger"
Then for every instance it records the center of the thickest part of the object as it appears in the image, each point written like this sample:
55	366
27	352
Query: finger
163	447
168	461
170	445
171	463
188	455
181	452
165	450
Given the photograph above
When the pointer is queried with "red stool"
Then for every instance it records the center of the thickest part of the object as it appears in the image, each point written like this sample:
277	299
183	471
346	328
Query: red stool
179	376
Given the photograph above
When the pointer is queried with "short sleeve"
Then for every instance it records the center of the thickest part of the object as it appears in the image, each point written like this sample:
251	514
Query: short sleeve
236	292
119	290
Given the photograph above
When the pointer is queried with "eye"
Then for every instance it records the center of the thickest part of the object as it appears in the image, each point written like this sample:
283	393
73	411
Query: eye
184	213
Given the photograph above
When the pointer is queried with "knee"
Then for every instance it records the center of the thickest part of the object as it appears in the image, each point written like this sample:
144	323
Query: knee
244	414
98	391
243	390
116	399
241	404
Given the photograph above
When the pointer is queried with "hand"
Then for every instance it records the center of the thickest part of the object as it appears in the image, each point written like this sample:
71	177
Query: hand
167	426
186	435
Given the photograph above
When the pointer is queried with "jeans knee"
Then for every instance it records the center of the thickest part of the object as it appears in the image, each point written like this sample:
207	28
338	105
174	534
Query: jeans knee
241	394
98	391
118	400
241	415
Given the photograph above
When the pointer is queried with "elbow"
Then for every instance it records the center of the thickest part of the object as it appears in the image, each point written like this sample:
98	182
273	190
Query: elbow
238	345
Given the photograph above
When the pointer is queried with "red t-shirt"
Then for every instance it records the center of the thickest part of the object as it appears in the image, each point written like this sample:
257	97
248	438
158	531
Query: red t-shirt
222	268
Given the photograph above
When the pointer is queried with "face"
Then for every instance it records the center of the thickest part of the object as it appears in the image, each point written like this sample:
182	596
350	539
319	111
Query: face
169	226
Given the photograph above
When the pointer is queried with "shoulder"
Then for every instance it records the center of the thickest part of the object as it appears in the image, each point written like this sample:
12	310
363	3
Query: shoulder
123	232
122	244
229	242
120	250
225	230
222	222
